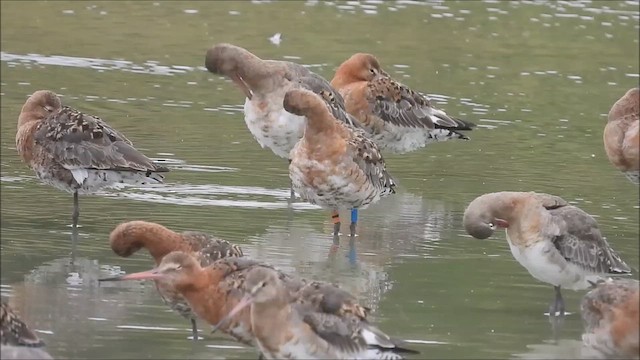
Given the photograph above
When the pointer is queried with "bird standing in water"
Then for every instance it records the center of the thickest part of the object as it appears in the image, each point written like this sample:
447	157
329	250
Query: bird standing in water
622	135
76	152
397	118
286	329
264	84
214	290
556	242
129	237
334	165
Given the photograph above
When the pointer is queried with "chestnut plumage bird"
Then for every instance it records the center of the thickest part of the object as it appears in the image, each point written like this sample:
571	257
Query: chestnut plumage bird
334	165
264	84
129	237
621	135
396	117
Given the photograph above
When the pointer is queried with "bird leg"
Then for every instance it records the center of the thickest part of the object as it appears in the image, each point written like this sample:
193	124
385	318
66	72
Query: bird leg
292	197
558	303
74	218
335	217
352	251
336	244
354	221
194	329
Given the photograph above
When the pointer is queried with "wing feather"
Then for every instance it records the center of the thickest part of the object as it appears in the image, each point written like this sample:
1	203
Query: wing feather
397	104
81	141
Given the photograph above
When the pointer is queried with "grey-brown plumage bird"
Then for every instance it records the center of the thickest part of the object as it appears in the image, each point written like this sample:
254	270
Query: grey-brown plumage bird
76	152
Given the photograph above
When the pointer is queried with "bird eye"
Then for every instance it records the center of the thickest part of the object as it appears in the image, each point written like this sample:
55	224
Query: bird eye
178	267
48	108
492	226
263	284
373	71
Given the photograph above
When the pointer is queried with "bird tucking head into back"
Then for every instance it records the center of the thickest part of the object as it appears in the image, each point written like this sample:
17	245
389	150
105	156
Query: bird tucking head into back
482	216
359	67
39	105
303	102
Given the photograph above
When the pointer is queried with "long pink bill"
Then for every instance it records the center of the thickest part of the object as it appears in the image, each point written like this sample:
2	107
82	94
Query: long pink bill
144	275
243	303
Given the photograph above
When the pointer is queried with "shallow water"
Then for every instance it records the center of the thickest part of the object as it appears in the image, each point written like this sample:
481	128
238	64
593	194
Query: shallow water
538	79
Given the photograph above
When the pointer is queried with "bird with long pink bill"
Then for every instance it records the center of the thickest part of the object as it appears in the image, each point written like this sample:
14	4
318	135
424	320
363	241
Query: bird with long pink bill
159	241
285	328
213	291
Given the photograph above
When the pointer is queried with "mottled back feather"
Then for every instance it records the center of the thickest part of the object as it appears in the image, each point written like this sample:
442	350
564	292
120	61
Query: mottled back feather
367	156
331	97
578	239
604	296
80	141
13	331
210	248
396	103
331	299
349	333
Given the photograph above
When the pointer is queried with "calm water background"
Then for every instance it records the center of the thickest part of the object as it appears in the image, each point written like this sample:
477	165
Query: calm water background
538	78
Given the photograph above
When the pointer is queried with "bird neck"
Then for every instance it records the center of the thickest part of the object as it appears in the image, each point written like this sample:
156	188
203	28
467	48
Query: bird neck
24	139
204	295
266	316
159	241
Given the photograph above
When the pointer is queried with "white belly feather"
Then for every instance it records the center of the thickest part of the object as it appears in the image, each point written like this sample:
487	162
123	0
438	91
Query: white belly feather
272	126
544	262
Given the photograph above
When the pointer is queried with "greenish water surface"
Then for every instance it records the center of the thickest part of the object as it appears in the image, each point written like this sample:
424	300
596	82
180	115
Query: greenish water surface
537	77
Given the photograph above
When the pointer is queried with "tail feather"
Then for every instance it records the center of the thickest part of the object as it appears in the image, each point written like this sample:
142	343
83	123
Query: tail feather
461	125
377	339
155	177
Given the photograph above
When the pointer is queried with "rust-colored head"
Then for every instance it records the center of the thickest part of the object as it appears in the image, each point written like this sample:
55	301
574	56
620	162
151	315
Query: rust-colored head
304	103
124	239
359	67
131	236
39	105
628	106
178	267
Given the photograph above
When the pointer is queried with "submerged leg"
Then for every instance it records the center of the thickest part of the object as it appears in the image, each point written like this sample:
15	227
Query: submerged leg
335	246
74	227
335	217
354	221
292	197
352	251
557	306
194	329
74	217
